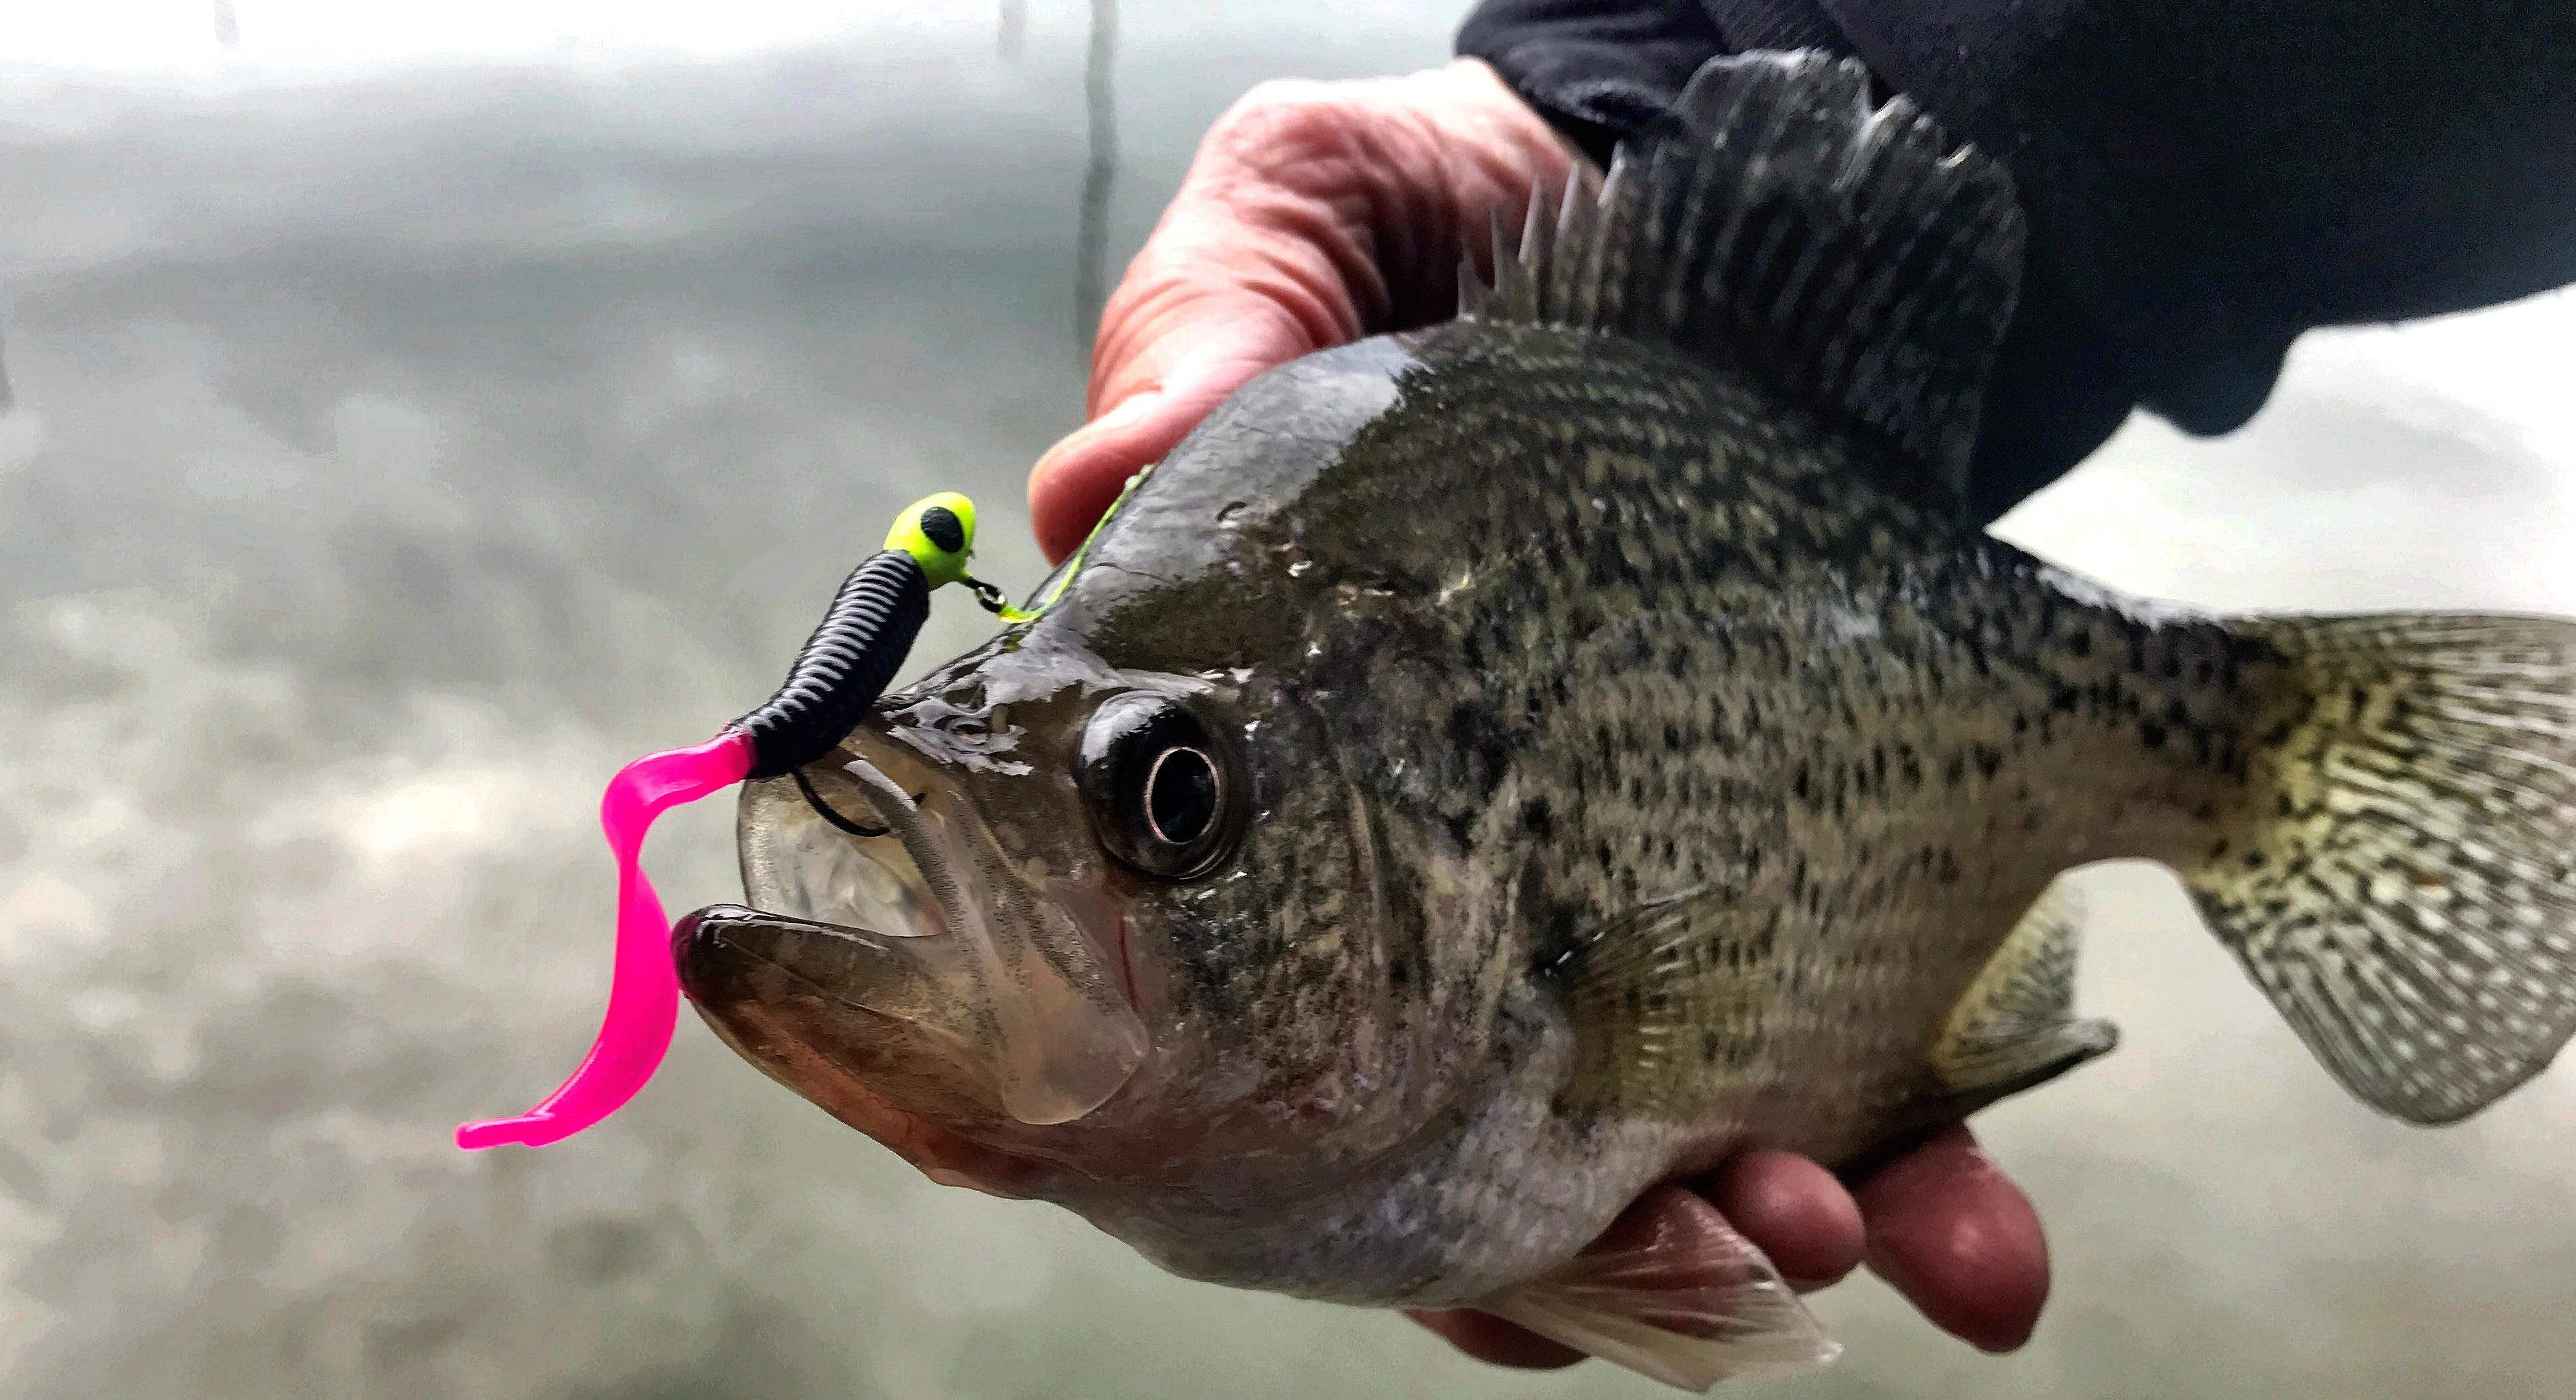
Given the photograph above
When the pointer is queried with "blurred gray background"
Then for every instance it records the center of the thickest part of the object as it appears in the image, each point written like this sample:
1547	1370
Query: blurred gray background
419	410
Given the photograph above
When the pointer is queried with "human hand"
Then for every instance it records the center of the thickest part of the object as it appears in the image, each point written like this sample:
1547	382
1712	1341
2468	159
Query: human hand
1317	213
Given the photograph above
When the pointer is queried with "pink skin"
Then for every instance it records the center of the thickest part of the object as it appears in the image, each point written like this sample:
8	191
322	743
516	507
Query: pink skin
644	991
1317	213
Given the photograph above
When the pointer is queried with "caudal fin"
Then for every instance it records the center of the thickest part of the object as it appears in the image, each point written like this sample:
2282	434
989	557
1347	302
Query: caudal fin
2403	884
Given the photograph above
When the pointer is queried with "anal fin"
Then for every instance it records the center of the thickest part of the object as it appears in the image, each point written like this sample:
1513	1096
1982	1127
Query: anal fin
1672	1292
2016	1027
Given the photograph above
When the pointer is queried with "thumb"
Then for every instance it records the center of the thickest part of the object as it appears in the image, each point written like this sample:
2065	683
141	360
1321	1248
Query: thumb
1207	343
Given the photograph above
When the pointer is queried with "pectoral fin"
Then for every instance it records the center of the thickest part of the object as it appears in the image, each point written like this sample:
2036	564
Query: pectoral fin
1667	1003
1671	1292
2016	1027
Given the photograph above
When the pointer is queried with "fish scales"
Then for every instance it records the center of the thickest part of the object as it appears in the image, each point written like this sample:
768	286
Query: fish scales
1489	773
1706	655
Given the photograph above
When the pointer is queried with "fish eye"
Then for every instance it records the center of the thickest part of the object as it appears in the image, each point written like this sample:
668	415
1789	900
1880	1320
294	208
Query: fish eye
1160	786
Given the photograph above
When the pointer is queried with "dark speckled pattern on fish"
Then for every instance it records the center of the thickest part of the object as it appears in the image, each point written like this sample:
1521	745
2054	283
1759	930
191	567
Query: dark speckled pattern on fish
1627	753
1632	633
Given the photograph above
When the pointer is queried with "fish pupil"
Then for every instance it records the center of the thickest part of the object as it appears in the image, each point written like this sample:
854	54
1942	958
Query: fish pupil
1180	796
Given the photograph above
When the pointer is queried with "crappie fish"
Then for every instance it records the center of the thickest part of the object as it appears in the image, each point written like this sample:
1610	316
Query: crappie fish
1490	771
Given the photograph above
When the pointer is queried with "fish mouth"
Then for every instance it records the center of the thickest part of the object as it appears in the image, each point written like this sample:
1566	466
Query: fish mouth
773	989
918	965
730	957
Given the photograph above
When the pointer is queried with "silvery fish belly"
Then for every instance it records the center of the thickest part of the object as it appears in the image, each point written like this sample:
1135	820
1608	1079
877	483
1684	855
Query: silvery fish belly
1487	772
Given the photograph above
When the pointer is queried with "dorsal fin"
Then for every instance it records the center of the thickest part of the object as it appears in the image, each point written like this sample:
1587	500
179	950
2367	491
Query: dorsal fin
1845	254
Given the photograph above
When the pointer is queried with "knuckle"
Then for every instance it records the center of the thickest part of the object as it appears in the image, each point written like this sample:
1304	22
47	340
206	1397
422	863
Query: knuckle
1286	122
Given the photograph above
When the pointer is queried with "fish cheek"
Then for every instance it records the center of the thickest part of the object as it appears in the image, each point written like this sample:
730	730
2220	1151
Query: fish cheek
1259	959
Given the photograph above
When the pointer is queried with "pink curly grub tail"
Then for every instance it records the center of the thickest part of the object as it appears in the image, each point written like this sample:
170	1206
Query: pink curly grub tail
644	995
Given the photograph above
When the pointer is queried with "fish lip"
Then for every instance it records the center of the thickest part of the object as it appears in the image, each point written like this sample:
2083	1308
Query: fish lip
715	918
710	925
945	1156
1107	933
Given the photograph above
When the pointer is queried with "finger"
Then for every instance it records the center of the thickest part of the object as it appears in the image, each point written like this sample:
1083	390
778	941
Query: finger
1313	214
1794	1211
1959	1240
1489	1338
1210	343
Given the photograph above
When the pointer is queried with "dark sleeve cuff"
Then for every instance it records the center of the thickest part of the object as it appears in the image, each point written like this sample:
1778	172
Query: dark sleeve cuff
1596	71
1603	69
2205	179
1600	70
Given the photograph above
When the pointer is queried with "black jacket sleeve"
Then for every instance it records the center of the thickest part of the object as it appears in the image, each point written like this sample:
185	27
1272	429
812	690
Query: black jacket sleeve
2205	179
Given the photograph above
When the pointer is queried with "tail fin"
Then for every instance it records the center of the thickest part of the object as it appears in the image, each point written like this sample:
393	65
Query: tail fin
2403	884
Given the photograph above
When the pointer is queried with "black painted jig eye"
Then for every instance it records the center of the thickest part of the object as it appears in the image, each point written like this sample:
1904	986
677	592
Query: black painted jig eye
1164	790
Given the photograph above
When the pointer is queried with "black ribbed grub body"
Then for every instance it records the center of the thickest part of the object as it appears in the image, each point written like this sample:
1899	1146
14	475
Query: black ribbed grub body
843	667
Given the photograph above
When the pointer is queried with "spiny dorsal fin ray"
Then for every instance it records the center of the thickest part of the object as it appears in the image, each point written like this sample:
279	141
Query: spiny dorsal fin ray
1473	294
1847	255
2402	880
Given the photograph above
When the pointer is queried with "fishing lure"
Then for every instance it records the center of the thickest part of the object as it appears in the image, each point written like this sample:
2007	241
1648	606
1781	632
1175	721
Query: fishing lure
837	676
